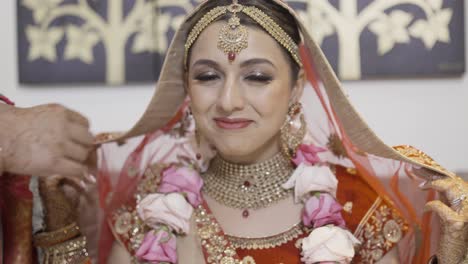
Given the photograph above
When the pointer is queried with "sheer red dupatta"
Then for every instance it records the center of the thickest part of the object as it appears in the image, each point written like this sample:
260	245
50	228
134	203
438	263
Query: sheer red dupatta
387	176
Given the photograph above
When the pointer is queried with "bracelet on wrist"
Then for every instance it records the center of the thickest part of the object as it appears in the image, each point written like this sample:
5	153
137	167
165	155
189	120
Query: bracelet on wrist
49	239
70	252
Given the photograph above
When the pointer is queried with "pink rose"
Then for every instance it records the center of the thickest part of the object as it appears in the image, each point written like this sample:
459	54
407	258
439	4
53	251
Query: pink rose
184	180
307	154
171	209
322	209
158	246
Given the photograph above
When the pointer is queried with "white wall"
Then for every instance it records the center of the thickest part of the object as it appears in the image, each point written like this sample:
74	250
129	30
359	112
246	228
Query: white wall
430	114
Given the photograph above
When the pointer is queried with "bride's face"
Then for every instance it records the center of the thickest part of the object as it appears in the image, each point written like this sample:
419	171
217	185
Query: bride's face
239	107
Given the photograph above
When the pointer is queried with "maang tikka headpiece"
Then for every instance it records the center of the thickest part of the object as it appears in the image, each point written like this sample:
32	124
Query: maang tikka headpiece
233	37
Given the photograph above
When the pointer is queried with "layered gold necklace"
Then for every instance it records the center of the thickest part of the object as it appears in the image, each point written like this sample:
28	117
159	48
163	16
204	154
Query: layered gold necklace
248	186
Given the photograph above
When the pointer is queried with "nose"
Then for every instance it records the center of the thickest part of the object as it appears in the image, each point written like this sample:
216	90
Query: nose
231	98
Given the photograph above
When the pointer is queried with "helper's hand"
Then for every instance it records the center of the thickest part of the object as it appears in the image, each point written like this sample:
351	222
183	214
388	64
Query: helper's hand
45	140
453	244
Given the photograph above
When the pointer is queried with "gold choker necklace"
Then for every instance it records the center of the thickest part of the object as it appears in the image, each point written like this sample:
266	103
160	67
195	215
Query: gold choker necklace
269	241
248	186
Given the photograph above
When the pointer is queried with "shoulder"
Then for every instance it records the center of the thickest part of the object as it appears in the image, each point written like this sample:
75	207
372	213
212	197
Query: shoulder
371	217
127	227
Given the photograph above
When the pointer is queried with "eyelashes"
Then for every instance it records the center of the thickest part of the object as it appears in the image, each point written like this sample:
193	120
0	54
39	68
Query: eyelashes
259	77
206	77
253	77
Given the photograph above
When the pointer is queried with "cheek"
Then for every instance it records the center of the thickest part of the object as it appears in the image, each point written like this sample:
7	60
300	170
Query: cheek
201	98
273	102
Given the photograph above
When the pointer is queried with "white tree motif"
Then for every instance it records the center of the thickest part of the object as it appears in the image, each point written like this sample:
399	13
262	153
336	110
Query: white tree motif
323	20
150	33
396	27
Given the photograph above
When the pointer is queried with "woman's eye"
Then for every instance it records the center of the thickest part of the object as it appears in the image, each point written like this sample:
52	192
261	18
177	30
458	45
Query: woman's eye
259	77
205	77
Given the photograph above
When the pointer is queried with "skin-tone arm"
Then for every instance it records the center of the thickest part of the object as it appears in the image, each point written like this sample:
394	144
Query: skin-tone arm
453	243
44	140
118	255
390	258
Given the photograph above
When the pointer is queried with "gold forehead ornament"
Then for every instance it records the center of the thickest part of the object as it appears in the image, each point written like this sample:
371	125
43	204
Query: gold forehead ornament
233	36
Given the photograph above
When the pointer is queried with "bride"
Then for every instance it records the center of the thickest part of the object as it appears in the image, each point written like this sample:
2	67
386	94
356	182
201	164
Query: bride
249	152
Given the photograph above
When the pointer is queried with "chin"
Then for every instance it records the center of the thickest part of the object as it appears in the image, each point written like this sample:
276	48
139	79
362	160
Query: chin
235	150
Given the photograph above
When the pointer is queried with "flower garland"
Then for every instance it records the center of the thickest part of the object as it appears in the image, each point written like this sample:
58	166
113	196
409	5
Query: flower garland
168	211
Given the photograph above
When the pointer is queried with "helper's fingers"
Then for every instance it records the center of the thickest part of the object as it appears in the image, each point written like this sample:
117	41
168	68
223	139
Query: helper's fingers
441	185
77	118
80	134
443	211
75	152
52	181
71	169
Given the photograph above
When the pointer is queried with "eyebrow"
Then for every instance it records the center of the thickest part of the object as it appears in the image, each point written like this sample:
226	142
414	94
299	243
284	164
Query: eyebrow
256	61
206	62
246	63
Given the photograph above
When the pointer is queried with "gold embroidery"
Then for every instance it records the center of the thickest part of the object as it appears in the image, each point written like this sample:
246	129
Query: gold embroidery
104	137
214	243
380	229
248	260
150	181
127	225
266	242
420	157
348	207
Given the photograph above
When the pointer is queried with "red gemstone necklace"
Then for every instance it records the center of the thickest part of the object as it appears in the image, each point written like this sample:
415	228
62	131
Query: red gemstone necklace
248	187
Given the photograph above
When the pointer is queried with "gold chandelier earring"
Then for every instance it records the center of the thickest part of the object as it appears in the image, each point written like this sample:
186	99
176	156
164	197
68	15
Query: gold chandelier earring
292	137
197	132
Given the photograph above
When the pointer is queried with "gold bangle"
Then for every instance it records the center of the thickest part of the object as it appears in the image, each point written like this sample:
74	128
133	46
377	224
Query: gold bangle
71	252
48	239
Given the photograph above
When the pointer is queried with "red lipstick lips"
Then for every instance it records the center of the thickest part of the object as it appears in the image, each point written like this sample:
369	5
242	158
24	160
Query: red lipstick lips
232	123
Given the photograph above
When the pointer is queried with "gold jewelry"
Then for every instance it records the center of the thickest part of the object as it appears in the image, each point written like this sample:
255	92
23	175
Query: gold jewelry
73	251
248	186
213	241
234	39
233	36
266	242
290	139
460	203
48	239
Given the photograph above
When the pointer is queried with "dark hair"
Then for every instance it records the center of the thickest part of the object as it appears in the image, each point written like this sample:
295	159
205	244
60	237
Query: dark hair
276	12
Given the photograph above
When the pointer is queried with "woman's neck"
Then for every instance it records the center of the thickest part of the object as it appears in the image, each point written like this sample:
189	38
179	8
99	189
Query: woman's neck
264	153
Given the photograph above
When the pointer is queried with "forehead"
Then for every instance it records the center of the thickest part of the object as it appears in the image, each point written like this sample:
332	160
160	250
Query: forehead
260	45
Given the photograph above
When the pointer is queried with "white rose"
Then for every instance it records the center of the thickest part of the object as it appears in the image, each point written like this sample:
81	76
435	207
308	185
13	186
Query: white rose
328	243
171	209
306	179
